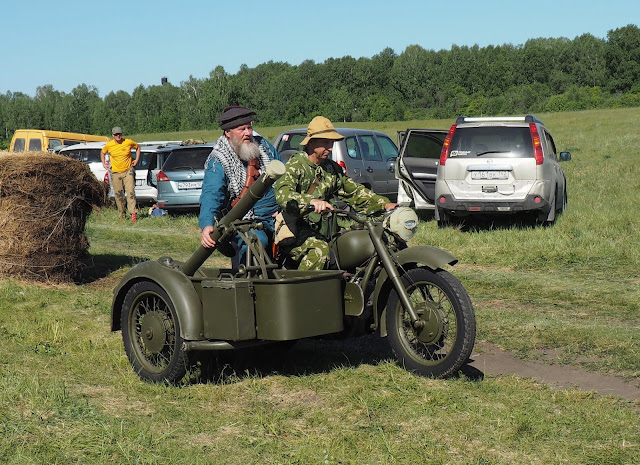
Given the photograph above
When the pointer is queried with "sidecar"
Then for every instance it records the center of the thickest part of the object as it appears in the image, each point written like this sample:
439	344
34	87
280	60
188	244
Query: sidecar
163	313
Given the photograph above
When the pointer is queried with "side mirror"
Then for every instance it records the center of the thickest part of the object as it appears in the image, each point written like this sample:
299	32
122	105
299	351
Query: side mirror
565	156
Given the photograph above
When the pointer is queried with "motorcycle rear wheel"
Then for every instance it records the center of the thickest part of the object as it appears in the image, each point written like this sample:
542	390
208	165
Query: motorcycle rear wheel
444	343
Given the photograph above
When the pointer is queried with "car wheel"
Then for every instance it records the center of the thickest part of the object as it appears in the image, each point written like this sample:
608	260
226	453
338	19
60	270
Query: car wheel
444	219
563	204
550	217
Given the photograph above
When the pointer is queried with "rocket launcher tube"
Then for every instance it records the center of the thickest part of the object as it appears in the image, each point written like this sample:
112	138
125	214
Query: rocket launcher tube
258	189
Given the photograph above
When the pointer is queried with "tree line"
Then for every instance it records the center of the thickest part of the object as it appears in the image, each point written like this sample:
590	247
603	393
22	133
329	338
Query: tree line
544	74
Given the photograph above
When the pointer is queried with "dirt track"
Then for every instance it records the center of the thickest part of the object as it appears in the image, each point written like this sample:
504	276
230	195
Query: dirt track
491	360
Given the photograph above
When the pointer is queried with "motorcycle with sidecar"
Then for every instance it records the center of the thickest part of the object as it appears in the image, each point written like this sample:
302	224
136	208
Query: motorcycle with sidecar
167	309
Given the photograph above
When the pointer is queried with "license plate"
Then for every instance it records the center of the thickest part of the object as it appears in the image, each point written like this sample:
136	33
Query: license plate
140	182
190	185
490	175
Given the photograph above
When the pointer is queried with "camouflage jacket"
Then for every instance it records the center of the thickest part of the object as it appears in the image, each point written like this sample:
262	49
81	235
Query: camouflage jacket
293	187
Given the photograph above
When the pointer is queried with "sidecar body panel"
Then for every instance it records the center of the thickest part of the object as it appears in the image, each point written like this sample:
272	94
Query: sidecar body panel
228	309
300	304
427	255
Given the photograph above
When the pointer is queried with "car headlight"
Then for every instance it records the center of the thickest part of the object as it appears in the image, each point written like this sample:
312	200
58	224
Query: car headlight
402	222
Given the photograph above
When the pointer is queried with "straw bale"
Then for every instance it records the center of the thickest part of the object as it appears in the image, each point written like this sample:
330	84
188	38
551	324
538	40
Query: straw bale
45	200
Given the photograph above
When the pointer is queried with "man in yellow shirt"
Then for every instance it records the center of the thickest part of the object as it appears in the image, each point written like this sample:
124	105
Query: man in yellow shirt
123	172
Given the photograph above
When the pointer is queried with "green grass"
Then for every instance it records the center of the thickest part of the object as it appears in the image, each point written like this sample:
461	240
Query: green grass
69	395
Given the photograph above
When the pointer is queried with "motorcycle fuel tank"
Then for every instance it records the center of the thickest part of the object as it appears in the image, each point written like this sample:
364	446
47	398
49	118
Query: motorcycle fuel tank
353	248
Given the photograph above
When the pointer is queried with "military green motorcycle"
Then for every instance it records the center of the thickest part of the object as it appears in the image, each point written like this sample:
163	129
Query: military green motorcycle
168	310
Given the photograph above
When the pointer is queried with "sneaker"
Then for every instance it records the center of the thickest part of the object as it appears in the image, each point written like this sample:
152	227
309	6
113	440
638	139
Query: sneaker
133	218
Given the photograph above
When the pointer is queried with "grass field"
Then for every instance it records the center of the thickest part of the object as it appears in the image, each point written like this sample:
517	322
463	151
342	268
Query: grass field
68	394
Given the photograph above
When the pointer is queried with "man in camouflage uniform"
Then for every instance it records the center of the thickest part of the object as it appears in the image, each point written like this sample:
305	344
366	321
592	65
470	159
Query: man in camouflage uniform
311	178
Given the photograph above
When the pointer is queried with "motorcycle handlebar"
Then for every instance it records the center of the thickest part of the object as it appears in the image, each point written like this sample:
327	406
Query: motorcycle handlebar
347	212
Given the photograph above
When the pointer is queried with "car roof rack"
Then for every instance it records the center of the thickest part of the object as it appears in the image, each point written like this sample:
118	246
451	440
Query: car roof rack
484	119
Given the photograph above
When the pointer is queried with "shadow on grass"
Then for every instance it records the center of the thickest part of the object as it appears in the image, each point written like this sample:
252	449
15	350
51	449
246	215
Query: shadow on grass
302	358
102	265
485	223
494	223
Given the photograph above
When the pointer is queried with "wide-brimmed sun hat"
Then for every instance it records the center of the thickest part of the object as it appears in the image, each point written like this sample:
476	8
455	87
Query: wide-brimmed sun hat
321	128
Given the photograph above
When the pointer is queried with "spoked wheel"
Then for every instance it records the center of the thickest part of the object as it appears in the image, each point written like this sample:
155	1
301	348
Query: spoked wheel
445	338
151	334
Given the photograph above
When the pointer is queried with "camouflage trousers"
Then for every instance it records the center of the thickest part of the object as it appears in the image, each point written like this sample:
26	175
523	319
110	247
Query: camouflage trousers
124	185
313	254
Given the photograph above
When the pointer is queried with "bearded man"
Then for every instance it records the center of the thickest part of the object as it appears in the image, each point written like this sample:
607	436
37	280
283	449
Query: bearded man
239	150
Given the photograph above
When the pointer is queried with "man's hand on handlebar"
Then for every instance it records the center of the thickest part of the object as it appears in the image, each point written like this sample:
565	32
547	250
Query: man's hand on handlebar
205	237
390	206
320	206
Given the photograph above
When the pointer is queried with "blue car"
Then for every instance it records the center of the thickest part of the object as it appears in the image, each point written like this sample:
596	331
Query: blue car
179	181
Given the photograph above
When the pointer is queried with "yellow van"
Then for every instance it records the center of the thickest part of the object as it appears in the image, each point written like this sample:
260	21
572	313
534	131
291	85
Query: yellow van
39	140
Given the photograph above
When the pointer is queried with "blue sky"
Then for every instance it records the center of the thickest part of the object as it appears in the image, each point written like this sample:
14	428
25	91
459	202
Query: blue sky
119	45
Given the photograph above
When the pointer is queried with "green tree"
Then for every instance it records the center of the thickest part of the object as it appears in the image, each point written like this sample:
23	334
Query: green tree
81	104
190	107
622	55
587	61
49	102
116	110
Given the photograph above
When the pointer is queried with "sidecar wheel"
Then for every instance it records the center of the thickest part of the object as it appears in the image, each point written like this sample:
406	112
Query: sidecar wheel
151	334
446	340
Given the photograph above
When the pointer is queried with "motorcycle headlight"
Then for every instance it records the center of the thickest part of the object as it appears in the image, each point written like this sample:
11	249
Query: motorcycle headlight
403	223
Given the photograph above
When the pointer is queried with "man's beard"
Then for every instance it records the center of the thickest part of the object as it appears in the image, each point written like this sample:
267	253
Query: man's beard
245	152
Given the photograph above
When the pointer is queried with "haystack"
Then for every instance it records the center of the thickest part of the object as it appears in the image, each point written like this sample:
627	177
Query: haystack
45	200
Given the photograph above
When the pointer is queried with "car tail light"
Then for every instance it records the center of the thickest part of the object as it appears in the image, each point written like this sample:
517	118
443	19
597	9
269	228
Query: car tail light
343	166
162	177
445	147
537	146
106	177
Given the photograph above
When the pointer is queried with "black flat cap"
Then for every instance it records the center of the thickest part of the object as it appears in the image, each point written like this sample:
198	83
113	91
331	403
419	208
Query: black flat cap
235	116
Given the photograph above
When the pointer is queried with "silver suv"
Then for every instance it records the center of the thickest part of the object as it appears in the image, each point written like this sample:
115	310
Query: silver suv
487	166
368	157
501	165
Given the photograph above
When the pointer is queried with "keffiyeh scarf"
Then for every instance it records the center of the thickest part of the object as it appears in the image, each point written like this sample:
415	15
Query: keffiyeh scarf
234	169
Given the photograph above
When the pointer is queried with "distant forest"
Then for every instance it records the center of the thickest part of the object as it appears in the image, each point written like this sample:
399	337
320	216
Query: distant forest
543	75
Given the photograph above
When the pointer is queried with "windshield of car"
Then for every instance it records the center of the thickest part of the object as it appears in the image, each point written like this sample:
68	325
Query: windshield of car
291	142
192	159
492	141
84	155
146	159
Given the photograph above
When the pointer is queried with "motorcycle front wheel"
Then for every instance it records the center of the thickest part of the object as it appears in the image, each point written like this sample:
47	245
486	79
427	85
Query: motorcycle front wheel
443	341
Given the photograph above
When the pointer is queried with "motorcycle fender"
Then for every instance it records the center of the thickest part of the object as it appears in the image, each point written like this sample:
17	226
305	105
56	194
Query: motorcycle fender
353	300
421	255
176	284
